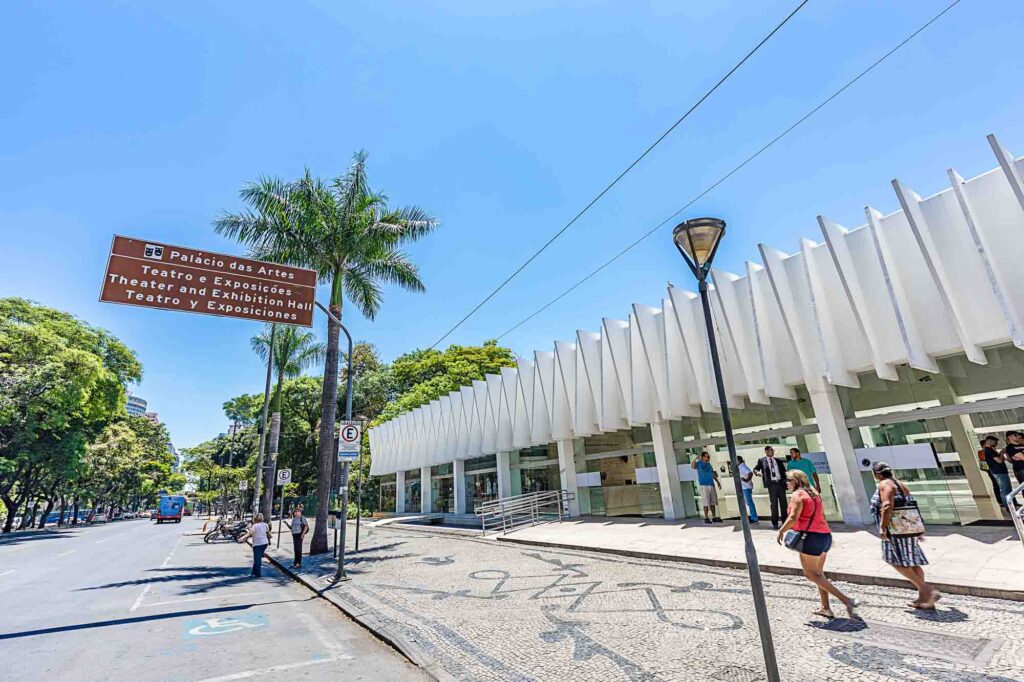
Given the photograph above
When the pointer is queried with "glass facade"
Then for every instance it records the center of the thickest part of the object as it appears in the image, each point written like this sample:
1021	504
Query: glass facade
621	475
412	491
442	489
387	493
537	471
481	481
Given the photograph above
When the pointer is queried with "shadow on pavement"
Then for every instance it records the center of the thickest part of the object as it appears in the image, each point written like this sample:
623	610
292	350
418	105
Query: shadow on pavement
21	537
209	577
142	619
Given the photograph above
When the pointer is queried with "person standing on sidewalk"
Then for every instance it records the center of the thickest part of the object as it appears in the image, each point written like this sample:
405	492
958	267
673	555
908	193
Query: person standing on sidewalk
299	527
260	533
902	553
747	483
772	471
707	479
997	469
798	461
806	515
1015	456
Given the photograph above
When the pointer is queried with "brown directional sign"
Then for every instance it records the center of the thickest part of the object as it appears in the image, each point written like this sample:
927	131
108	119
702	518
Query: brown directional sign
153	275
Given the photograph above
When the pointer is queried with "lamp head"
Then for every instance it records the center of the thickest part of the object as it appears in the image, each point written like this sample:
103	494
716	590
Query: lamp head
697	239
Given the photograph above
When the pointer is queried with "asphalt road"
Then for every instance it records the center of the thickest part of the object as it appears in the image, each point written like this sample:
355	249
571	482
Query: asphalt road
132	600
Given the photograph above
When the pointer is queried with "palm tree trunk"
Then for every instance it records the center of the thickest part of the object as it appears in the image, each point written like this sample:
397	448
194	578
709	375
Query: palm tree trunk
328	413
270	475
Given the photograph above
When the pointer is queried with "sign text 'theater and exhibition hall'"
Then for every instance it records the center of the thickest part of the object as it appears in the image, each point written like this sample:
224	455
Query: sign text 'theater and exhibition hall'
153	275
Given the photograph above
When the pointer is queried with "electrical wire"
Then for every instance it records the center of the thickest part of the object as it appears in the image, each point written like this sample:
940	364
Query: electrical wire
733	171
621	175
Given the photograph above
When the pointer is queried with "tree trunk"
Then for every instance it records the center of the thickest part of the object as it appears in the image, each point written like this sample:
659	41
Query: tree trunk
74	509
63	509
28	520
328	413
270	475
11	512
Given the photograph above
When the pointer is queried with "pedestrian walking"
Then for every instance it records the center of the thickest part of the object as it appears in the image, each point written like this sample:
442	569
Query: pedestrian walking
806	531
902	552
796	460
772	471
747	484
260	533
299	527
707	479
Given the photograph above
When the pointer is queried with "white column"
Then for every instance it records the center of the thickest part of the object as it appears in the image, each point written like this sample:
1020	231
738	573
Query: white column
425	490
668	471
504	474
567	472
400	492
459	484
835	439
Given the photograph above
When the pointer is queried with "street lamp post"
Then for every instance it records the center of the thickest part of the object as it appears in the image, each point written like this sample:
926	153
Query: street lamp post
697	241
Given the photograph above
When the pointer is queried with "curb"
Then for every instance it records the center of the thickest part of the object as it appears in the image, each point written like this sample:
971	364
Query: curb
855	578
369	622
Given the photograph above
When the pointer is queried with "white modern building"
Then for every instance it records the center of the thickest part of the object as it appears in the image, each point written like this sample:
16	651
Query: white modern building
136	406
898	340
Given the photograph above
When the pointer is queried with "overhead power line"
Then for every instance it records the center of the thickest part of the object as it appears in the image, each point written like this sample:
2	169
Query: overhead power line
725	177
621	175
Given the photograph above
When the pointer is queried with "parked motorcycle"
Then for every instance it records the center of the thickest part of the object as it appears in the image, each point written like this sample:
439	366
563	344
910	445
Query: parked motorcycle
227	531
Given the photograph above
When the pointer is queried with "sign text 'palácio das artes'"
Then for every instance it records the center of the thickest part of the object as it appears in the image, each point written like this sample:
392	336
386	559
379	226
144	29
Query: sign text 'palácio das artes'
153	275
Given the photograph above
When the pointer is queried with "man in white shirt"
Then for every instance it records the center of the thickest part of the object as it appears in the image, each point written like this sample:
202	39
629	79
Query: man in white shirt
747	483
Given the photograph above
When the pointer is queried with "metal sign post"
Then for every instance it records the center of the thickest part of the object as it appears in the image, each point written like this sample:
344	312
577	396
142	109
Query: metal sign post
350	436
284	477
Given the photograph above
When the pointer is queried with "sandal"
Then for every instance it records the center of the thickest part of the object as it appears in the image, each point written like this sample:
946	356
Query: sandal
850	609
824	613
930	604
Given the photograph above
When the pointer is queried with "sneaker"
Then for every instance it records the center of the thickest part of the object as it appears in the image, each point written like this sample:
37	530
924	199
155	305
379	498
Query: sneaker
707	520
717	519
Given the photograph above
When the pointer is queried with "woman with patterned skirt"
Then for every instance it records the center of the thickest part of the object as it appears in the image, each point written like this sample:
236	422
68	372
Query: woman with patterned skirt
902	553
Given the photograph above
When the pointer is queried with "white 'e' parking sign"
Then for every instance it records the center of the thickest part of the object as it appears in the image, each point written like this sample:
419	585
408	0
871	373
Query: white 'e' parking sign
349	438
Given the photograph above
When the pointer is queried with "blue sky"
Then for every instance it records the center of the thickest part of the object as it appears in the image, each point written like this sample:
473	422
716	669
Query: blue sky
147	118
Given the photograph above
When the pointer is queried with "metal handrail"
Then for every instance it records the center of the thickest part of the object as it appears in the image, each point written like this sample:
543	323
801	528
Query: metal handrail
509	512
1016	512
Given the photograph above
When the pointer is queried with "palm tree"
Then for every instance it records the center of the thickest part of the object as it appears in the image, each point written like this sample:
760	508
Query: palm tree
347	233
295	349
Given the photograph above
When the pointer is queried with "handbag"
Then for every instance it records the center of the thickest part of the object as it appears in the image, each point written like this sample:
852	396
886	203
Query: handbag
905	520
794	539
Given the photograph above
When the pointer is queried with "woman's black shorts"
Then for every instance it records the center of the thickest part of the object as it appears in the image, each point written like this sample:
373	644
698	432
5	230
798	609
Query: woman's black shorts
816	544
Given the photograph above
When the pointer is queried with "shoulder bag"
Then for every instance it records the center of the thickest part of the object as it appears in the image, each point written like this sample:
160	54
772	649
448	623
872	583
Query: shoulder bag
905	520
794	539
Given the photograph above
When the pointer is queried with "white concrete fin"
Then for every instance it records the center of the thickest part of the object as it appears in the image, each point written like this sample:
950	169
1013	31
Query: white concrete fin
438	433
588	382
616	383
684	397
489	430
779	360
376	468
650	325
494	402
543	376
897	293
866	317
522	433
1013	169
461	427
843	347
448	421
690	323
507	393
417	448
563	391
789	284
474	423
964	305
642	391
732	369
732	295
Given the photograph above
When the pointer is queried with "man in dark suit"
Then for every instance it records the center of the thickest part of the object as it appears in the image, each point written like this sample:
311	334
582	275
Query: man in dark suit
772	471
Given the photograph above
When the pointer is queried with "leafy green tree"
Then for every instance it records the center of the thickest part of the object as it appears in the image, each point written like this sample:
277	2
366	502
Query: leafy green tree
346	232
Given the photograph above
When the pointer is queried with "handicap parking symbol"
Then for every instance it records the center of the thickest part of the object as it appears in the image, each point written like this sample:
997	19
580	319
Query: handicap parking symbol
222	626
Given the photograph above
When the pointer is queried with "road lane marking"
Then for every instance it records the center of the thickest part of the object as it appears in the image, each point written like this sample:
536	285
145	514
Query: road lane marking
245	674
7	572
145	590
326	642
190	599
70	551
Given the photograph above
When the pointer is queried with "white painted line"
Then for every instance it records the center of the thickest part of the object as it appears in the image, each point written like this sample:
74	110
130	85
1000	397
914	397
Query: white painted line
326	642
221	596
245	674
7	572
145	590
70	551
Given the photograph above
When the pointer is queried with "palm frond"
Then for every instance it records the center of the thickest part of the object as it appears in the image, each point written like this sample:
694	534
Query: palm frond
363	291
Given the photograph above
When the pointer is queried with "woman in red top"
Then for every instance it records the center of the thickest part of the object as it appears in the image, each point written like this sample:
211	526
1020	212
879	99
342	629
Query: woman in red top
806	515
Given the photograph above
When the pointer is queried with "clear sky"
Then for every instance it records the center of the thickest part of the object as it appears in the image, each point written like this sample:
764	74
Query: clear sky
503	119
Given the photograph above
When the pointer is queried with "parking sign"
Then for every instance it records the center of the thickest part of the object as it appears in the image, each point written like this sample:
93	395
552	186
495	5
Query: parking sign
284	476
349	438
